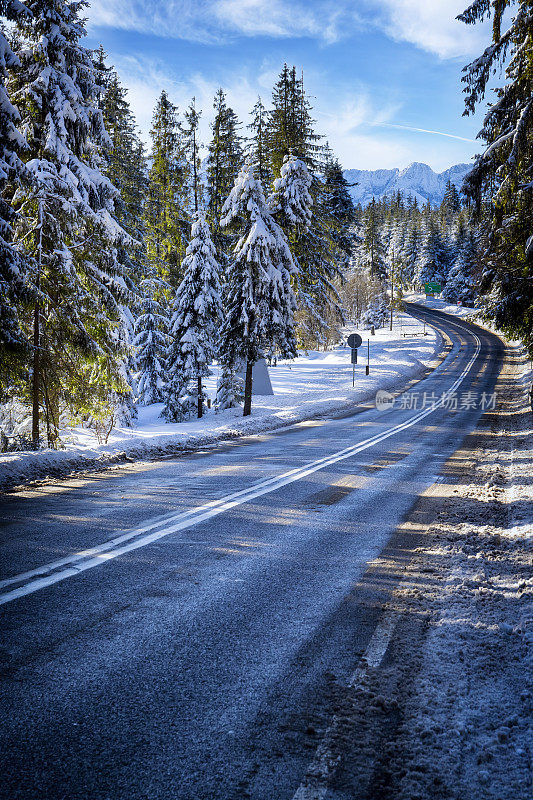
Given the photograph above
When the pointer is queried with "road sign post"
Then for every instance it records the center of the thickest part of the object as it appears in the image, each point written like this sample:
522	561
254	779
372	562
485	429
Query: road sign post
368	357
354	341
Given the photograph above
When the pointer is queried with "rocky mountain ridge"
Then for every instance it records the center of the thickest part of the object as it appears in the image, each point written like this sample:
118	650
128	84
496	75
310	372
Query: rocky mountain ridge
418	180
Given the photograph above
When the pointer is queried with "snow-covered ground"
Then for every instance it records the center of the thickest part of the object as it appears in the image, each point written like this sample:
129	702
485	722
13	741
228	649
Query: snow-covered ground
468	715
316	383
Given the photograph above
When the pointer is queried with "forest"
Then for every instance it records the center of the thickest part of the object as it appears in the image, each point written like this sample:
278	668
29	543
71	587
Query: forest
126	270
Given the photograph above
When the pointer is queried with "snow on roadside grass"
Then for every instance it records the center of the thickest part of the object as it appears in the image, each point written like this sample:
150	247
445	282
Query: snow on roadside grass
316	383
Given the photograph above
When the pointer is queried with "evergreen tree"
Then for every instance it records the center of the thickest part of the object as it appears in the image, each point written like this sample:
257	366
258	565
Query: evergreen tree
411	252
291	200
151	335
460	285
451	201
433	258
125	166
192	151
338	206
259	149
13	289
194	325
68	226
291	132
260	304
290	126
166	218
230	387
222	166
502	174
125	161
372	240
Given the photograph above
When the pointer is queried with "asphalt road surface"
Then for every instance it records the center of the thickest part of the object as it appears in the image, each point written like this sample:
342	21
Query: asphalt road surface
172	629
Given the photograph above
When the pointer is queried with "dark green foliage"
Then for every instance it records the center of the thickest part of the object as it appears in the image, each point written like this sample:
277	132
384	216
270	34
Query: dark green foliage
166	218
501	182
223	163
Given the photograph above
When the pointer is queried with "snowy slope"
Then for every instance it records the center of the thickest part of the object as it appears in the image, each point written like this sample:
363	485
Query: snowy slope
417	179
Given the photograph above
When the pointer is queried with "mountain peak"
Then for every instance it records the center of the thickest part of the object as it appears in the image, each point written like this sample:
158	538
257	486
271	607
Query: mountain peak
417	180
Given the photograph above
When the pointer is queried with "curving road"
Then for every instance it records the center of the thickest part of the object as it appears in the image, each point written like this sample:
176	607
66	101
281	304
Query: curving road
176	629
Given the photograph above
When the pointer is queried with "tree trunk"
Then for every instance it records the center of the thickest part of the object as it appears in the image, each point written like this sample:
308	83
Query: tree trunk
248	390
200	403
35	382
37	340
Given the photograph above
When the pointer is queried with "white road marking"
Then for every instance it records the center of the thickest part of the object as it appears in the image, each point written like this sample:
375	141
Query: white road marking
325	762
119	545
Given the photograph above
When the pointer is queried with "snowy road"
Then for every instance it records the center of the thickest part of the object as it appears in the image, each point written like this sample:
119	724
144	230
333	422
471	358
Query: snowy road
195	654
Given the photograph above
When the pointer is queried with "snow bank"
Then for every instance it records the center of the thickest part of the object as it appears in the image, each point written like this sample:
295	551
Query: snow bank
315	384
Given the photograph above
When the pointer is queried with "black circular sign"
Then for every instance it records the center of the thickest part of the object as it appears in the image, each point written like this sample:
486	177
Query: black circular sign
354	341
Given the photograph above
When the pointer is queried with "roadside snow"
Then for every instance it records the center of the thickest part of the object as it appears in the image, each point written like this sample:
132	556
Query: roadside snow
466	728
316	383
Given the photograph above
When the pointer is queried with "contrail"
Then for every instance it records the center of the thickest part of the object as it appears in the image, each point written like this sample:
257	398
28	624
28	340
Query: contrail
424	130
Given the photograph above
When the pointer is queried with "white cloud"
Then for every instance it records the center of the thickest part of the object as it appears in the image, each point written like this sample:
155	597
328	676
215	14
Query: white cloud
146	78
428	24
432	26
426	130
219	20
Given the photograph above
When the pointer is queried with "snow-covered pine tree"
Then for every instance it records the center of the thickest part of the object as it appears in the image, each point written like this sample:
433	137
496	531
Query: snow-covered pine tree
451	201
194	326
460	284
395	243
502	175
291	130
312	240
291	201
12	171
260	303
68	224
150	342
290	126
410	254
230	387
376	314
433	265
123	396
125	166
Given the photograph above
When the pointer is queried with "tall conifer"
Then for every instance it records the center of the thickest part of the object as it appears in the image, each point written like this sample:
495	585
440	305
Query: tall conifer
68	225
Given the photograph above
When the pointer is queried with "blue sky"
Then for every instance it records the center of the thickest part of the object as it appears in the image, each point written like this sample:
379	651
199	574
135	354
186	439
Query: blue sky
374	69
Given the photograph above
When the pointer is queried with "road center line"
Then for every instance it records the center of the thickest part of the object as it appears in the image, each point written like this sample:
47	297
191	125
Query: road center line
51	573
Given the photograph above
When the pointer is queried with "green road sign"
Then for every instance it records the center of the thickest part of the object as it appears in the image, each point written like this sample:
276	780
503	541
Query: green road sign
432	286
